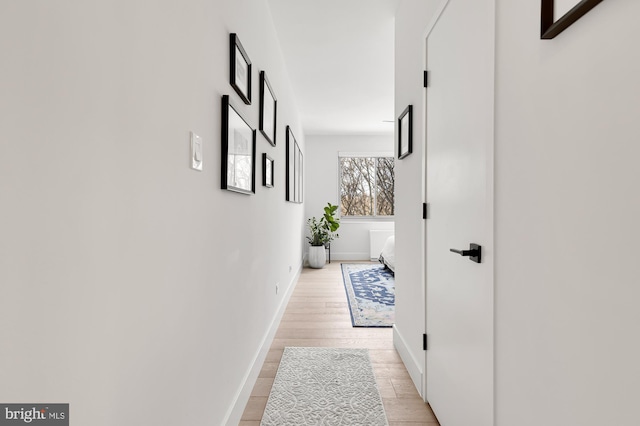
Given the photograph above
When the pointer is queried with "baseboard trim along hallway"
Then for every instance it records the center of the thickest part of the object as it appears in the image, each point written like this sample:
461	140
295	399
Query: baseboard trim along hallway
414	367
242	395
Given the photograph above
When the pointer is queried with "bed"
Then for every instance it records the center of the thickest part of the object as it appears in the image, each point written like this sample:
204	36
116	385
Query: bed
388	254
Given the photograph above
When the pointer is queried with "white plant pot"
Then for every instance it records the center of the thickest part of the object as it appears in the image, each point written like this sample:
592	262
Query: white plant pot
317	257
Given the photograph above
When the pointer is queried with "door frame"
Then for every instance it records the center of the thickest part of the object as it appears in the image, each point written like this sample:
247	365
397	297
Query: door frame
438	14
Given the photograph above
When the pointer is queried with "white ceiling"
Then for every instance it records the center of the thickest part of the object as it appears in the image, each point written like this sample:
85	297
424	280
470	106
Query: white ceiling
340	58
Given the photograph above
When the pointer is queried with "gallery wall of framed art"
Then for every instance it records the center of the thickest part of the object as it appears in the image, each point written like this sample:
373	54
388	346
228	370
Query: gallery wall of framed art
240	145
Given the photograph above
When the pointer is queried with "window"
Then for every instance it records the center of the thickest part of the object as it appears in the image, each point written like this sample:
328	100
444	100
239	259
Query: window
366	186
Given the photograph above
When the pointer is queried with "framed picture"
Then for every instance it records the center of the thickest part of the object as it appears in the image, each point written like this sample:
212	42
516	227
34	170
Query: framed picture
240	71
290	167
557	15
293	169
238	151
405	132
298	174
267	171
268	109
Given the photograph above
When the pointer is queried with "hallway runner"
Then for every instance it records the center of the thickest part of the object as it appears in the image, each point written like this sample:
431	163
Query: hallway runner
324	386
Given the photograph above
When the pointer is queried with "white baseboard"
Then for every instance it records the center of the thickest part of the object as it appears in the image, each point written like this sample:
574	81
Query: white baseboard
241	398
350	256
414	367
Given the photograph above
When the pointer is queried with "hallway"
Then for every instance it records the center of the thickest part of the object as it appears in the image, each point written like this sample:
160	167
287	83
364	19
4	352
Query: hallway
318	315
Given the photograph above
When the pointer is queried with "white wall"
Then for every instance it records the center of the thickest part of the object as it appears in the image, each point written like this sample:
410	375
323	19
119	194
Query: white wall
567	208
412	19
133	287
321	187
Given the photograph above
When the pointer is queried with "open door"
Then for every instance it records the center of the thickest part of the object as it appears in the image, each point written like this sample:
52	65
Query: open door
459	182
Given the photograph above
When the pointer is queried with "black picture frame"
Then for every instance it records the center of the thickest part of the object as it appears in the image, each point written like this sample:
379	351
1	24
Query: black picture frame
294	167
405	133
268	109
299	174
240	69
238	168
551	27
267	171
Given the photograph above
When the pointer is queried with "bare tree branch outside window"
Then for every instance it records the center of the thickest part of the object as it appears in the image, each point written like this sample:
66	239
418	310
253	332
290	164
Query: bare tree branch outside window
366	186
384	186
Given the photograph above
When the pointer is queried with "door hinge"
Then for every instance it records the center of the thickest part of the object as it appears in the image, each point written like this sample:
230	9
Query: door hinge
425	210
426	79
424	342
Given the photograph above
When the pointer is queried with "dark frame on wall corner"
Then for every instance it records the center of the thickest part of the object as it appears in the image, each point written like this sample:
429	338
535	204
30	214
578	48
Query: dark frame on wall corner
549	27
268	109
240	69
238	154
405	138
267	171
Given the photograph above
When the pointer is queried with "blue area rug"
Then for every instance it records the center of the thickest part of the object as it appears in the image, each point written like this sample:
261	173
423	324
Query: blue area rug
371	294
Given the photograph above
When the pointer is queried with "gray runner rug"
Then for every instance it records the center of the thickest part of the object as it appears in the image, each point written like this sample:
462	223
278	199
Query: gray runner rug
324	386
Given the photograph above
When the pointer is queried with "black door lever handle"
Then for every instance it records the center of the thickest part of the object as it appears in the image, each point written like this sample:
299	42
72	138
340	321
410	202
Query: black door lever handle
463	252
474	252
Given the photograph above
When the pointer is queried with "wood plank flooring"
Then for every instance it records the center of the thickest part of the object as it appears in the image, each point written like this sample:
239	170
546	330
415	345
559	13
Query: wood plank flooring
317	315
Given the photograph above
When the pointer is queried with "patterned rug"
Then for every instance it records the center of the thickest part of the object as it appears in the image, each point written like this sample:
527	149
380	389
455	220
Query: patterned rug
371	294
324	386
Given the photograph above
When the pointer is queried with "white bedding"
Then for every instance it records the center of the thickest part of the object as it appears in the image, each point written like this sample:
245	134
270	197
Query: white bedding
388	255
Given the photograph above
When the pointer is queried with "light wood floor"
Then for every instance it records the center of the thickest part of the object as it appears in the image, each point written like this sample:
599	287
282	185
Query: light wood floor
317	315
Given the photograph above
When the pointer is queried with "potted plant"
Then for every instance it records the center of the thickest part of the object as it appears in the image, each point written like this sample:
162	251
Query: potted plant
322	232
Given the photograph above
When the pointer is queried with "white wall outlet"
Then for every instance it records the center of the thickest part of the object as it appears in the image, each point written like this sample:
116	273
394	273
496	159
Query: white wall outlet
196	152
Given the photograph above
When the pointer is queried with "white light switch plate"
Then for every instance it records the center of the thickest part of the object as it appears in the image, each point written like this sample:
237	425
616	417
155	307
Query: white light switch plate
196	152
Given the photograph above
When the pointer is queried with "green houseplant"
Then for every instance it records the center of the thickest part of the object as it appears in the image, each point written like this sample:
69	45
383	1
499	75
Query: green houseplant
322	231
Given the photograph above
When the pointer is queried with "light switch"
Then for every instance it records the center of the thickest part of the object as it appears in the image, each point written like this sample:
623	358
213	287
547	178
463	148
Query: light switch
196	152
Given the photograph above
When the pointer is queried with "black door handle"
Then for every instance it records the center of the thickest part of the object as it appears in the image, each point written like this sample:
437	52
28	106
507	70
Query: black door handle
474	252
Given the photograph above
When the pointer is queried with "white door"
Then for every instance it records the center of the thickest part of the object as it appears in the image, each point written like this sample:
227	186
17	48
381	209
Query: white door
459	151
